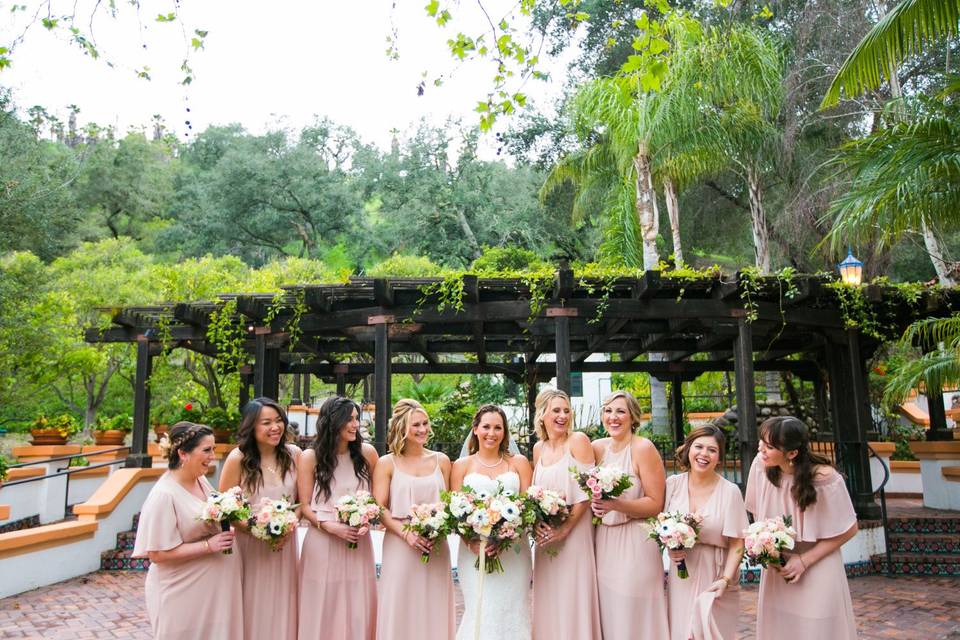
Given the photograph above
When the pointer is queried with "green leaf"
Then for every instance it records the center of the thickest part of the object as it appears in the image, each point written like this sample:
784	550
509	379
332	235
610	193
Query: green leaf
643	22
580	16
49	23
196	43
633	63
486	122
482	107
201	33
443	18
658	45
170	17
432	7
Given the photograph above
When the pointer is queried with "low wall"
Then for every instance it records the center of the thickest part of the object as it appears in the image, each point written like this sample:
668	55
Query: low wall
52	553
939	461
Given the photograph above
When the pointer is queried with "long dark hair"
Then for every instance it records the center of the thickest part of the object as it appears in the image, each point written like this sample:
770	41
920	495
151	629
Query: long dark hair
473	444
251	476
334	413
787	433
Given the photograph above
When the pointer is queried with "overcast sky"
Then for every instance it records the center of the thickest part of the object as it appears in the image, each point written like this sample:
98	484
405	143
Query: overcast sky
264	63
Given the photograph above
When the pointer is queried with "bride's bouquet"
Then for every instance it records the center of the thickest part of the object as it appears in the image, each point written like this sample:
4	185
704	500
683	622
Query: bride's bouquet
546	506
224	507
430	521
602	482
357	510
495	519
765	540
273	521
675	530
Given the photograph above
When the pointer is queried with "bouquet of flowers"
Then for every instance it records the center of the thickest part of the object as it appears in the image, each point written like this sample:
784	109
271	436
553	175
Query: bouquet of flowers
602	482
431	521
675	530
765	540
544	505
273	521
357	510
226	507
495	519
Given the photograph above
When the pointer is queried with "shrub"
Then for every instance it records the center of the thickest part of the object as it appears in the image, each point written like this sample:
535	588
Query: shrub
65	423
398	266
120	422
496	259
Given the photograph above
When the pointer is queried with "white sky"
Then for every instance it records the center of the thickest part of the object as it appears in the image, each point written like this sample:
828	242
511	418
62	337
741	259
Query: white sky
264	63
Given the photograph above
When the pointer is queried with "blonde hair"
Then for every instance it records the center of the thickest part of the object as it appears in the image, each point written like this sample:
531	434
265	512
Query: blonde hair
633	407
397	431
542	402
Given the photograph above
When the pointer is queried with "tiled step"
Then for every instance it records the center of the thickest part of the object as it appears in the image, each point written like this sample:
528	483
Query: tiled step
120	560
936	525
125	539
920	564
925	543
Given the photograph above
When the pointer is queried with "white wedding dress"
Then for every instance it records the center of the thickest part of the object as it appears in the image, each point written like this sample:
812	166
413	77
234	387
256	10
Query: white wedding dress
505	609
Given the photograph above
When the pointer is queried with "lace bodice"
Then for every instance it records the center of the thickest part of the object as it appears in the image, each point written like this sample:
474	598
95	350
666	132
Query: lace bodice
507	482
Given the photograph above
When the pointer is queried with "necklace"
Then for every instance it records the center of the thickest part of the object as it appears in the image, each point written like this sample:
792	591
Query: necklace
272	470
490	466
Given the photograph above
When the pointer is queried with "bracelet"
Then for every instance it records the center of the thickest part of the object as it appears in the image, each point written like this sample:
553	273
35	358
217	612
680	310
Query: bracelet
726	580
206	541
800	555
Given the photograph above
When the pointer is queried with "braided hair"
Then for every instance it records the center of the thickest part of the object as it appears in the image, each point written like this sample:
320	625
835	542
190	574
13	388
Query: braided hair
184	436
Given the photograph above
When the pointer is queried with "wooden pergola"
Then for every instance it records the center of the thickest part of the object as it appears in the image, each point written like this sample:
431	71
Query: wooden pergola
343	332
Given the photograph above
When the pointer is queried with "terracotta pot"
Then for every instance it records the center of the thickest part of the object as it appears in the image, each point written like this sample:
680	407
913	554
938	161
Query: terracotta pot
109	437
161	430
222	436
42	437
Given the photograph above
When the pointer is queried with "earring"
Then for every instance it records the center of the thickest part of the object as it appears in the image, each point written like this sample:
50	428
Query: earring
791	463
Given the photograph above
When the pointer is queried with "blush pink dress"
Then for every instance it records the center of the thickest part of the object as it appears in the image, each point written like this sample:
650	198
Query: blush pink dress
338	585
818	605
270	589
198	596
629	567
416	600
724	517
565	604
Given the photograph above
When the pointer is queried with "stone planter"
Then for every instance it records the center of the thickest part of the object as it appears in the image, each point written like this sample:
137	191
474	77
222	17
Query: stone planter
109	437
40	437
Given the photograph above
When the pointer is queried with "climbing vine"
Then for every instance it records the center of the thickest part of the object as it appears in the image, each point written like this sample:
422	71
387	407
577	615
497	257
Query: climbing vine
228	336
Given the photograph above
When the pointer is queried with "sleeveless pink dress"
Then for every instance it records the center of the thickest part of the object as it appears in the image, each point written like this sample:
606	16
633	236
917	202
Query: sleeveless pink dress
416	600
202	593
565	605
629	567
818	605
270	590
724	517
338	585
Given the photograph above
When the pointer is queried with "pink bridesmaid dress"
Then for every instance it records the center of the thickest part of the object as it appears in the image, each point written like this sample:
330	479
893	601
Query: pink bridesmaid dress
190	598
338	585
270	588
416	600
818	605
565	605
629	568
724	517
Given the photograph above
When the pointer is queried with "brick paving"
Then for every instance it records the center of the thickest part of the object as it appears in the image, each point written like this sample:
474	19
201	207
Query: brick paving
109	604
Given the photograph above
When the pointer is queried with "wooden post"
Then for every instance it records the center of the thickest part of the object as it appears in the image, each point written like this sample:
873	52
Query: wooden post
138	457
531	379
266	368
820	402
938	416
306	389
341	384
297	397
562	346
676	397
381	385
746	396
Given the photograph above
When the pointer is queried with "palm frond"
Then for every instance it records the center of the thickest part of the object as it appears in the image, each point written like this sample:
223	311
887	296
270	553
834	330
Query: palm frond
934	370
905	31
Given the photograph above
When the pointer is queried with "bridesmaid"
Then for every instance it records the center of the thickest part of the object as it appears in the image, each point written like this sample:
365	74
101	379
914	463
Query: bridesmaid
809	597
338	585
565	604
191	585
629	565
412	592
264	465
705	605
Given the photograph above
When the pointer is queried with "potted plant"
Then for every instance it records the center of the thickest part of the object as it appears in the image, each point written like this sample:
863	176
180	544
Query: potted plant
3	469
53	431
223	422
112	431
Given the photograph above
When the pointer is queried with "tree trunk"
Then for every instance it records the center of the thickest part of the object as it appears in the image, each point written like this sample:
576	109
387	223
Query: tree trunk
649	220
673	212
932	244
468	233
758	223
647	215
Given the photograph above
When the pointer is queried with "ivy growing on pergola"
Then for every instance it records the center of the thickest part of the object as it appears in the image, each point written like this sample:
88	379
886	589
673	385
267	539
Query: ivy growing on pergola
822	331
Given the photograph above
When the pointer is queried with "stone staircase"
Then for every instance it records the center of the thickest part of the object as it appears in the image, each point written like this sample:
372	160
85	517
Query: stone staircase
118	558
923	543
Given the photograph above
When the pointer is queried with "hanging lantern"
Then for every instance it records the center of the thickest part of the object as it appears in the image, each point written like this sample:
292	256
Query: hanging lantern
851	269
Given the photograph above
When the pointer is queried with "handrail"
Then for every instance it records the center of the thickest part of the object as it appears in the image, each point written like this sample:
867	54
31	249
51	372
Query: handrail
98	452
883	509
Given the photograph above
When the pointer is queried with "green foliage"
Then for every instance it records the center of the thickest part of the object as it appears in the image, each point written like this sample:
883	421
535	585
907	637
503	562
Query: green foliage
221	419
495	260
903	435
4	466
402	266
65	423
450	417
119	422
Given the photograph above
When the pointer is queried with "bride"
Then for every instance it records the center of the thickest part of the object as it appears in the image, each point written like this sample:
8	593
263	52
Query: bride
491	467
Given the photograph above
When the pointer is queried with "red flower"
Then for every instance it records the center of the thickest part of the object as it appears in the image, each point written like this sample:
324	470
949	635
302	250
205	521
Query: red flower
188	407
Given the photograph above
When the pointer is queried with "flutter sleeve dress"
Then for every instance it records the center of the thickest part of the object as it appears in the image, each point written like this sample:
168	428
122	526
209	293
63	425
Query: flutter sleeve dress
193	598
818	605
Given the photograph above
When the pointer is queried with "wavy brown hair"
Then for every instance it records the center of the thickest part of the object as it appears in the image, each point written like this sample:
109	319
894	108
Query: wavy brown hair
473	444
251	475
334	414
787	433
711	430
